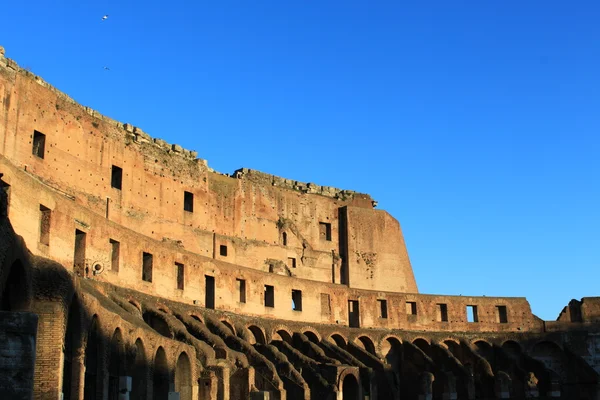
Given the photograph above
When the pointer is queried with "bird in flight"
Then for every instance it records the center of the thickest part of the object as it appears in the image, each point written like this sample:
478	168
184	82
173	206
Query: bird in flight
106	69
105	17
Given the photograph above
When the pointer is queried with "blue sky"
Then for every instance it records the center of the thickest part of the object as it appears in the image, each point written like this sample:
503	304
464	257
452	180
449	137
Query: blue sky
475	123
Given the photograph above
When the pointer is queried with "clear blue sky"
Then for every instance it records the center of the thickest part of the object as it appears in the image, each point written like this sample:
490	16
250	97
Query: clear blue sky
476	124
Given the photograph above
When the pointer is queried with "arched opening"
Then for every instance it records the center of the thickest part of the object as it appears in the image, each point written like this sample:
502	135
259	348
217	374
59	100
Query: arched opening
229	326
91	361
338	340
367	344
484	349
350	388
160	381
115	364
183	377
422	344
258	335
197	318
15	296
140	373
312	336
552	356
512	349
72	342
158	324
283	335
391	349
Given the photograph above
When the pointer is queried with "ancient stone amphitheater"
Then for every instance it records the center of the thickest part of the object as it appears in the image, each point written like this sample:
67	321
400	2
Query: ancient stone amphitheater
132	270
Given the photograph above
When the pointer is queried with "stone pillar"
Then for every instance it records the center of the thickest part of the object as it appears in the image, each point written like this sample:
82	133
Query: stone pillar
260	396
47	380
208	386
502	385
426	386
18	332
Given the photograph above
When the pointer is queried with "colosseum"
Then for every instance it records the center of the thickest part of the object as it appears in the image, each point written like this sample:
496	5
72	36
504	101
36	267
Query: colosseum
129	269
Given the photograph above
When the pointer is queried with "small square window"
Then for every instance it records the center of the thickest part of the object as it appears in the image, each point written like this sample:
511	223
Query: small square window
291	263
501	314
382	308
442	313
269	296
411	308
296	300
39	144
116	177
188	201
325	231
472	314
223	250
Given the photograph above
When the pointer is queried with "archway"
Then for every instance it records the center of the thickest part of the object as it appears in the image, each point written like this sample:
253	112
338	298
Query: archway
367	344
229	326
160	381
484	349
139	373
283	335
350	388
552	356
158	324
312	336
512	348
183	377
338	340
15	296
91	361
258	335
391	350
115	364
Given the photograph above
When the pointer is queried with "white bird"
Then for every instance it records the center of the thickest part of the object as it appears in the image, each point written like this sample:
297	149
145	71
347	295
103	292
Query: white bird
104	18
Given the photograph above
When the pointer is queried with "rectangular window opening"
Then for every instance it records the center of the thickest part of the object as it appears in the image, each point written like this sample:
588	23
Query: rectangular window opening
502	316
411	308
269	296
147	267
39	144
442	313
325	231
115	255
241	288
188	201
382	308
116	177
180	270
5	187
223	250
472	314
45	213
79	253
291	262
325	305
353	314
209	291
296	300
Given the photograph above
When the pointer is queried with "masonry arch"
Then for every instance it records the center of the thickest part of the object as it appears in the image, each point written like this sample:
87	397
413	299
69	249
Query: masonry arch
158	323
115	364
183	377
366	343
484	349
338	340
92	361
282	334
423	345
197	318
512	349
229	326
391	350
139	374
349	386
258	336
312	336
16	295
136	304
160	379
551	355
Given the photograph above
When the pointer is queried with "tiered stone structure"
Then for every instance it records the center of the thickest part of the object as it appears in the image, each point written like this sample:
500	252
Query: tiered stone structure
152	275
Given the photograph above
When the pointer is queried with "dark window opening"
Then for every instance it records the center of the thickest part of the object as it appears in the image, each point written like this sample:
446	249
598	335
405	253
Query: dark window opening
45	213
223	250
241	288
209	291
284	238
501	314
296	300
325	305
353	314
39	144
115	255
411	308
116	177
188	201
147	267
180	269
269	296
5	187
383	311
472	314
325	231
442	313
79	253
291	262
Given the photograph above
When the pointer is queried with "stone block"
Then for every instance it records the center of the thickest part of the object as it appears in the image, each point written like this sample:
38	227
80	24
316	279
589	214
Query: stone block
128	127
177	148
